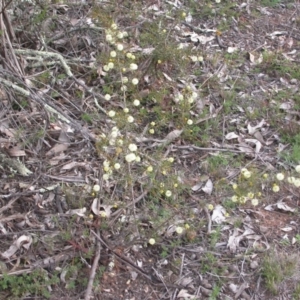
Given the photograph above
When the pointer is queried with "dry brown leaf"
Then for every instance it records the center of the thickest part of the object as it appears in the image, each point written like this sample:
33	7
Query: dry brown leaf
185	295
203	39
79	212
73	165
231	135
257	143
218	215
23	241
253	129
100	210
208	188
15	151
62	146
173	135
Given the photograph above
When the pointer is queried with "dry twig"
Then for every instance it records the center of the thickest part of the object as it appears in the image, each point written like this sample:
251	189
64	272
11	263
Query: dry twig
88	291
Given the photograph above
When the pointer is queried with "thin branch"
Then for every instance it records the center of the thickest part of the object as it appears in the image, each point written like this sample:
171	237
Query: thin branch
89	289
67	69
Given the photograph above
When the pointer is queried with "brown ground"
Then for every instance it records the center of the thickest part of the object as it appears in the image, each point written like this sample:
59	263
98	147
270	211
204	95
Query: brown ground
63	244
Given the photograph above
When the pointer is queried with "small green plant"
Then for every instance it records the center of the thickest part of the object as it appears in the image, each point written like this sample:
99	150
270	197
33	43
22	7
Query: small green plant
215	292
87	118
34	284
270	3
208	262
293	155
214	237
297	237
278	267
296	293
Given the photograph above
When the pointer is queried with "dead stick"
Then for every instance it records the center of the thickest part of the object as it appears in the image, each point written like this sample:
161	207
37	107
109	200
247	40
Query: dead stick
89	289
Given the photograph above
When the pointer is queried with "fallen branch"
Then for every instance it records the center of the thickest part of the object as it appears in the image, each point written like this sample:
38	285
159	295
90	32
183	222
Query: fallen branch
67	69
88	291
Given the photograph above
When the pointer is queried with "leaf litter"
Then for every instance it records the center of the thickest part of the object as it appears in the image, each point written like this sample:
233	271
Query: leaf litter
197	262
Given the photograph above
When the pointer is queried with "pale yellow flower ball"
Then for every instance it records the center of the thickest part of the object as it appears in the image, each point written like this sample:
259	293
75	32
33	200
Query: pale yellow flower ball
280	176
109	38
151	241
132	147
130	119
111	113
275	188
247	174
135	81
179	230
120	47
136	102
120	35
114	134
194	95
106	168
106	163
168	193
124	79
117	166
105	176
297	182
243	200
114	26
250	195
103	214
234	198
133	67
113	53
210	206
111	65
130	157
107	97
150	169
96	188
194	58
